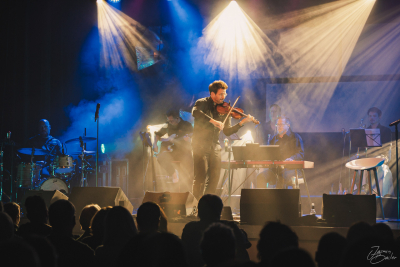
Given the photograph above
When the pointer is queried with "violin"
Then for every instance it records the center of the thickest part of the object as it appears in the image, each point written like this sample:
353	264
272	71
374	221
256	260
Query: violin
236	113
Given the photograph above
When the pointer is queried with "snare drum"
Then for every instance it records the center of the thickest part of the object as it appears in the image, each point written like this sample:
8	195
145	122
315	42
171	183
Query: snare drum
63	164
54	184
24	174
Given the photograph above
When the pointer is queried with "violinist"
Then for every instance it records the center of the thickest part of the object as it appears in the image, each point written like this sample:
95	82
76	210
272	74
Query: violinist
205	144
176	147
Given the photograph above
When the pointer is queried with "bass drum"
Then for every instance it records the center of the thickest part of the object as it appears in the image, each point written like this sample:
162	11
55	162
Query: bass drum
54	184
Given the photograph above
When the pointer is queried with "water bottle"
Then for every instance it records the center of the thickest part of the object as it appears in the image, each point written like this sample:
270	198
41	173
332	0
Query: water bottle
312	212
331	192
226	144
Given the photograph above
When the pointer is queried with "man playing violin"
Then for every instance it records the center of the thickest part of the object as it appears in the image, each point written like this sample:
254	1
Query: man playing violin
176	147
205	142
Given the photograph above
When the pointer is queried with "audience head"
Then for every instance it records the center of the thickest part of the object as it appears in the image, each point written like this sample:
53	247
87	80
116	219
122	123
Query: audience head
165	249
97	223
330	249
383	231
13	210
292	257
218	244
16	252
87	214
62	215
36	209
275	237
6	226
149	216
210	208
359	230
119	227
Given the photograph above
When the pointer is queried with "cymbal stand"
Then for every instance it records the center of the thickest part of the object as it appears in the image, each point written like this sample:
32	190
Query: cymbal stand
1	172
83	182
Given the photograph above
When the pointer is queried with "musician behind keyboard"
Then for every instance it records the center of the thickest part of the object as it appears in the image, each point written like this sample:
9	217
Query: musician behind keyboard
291	148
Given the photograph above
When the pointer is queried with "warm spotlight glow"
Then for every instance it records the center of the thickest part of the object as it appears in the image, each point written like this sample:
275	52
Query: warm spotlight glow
125	42
234	45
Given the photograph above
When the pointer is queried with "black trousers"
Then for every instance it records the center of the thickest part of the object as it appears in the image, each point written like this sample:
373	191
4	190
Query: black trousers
207	169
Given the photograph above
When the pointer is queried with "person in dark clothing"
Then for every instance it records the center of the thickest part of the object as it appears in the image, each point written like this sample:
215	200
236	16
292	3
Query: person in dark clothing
37	213
374	117
119	229
13	210
330	249
292	257
218	245
291	148
17	252
45	141
97	227
209	212
86	216
149	218
205	142
275	237
176	147
6	226
70	252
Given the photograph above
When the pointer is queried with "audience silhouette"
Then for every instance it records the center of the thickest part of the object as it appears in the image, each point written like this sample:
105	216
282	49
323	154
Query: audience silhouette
330	249
209	212
98	228
290	257
17	252
70	252
275	237
86	216
37	213
119	229
6	226
13	209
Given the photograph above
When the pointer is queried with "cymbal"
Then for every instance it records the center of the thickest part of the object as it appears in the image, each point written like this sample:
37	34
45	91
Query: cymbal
84	139
37	152
85	152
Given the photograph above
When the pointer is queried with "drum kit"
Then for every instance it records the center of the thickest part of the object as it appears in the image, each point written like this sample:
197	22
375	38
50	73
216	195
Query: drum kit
57	173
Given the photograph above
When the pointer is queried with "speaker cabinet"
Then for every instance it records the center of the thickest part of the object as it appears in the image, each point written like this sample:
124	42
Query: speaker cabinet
49	197
103	196
257	206
344	210
173	204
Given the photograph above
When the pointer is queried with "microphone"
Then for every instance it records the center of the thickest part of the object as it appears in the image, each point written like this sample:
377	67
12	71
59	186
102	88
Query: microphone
96	115
62	144
395	123
226	144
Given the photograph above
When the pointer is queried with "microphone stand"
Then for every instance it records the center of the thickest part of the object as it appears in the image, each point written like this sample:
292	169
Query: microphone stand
96	118
395	123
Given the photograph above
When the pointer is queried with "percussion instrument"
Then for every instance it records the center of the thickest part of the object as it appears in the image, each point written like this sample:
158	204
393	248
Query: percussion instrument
24	172
53	183
36	152
63	164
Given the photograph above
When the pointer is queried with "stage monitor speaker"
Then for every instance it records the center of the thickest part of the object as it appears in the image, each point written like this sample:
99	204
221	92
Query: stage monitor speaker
257	206
344	210
102	196
49	197
173	204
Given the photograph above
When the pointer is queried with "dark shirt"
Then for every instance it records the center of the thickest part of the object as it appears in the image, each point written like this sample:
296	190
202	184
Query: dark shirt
40	229
48	143
192	234
183	128
71	252
204	132
386	133
291	145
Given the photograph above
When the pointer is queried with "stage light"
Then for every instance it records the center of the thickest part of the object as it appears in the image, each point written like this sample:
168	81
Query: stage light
103	148
114	1
233	45
125	42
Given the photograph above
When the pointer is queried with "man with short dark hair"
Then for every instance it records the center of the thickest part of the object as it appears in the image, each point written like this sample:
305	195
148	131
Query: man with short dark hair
176	147
205	143
374	117
70	252
209	212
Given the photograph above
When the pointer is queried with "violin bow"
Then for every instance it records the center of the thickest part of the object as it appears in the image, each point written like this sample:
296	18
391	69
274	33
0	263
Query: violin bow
229	113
